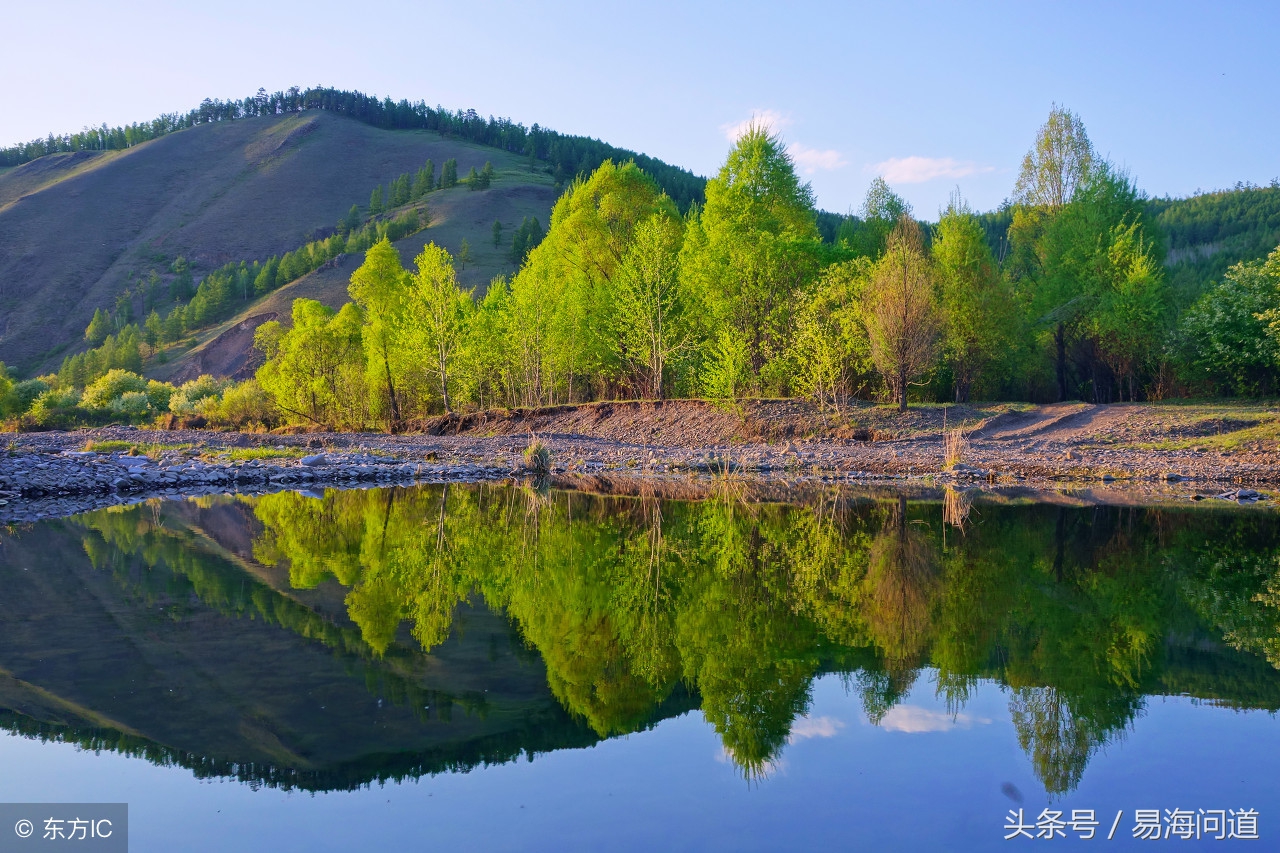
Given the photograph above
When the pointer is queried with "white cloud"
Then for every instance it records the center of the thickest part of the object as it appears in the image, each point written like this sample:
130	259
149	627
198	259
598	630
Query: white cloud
914	720
918	170
771	119
810	727
811	160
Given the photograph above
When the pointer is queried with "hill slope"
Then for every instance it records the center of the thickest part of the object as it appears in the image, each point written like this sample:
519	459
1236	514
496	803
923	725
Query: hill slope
78	229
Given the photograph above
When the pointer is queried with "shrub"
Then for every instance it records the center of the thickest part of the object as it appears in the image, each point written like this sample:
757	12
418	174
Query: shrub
57	407
186	400
246	404
22	395
131	405
111	386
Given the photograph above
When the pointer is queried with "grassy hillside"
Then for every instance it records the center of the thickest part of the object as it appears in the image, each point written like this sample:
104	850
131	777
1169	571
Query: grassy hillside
78	229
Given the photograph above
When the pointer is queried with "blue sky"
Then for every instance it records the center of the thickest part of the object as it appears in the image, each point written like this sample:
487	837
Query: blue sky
932	95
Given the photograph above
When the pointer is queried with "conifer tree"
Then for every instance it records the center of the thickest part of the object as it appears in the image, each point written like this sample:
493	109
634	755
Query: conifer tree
99	327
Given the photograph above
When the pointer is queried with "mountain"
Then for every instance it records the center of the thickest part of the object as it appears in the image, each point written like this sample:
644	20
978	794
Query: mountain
77	229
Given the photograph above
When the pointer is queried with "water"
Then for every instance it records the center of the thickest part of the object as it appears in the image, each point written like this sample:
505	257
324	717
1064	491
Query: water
495	667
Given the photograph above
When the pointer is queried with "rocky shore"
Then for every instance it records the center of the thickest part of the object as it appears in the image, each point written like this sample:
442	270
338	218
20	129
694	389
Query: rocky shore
54	474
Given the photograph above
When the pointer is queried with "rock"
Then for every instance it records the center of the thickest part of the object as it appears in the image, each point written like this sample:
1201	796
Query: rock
1173	477
314	459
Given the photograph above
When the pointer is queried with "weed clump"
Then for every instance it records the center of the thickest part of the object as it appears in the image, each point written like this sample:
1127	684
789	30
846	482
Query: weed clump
537	457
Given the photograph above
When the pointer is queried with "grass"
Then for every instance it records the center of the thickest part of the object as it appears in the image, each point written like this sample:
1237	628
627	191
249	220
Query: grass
954	447
245	454
537	456
137	448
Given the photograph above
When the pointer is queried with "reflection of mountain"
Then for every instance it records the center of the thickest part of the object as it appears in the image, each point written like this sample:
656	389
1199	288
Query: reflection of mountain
282	638
174	652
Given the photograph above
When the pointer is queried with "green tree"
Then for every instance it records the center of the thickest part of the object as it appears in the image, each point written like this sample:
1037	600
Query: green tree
901	315
976	303
315	371
497	233
376	204
99	327
1224	337
1059	161
449	174
757	250
651	304
154	329
400	190
437	311
380	287
464	254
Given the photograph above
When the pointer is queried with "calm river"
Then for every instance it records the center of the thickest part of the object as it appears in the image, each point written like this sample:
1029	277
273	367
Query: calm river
497	667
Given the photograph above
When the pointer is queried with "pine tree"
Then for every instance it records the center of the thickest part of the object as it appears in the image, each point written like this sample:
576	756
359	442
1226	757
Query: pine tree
497	233
375	201
449	174
98	329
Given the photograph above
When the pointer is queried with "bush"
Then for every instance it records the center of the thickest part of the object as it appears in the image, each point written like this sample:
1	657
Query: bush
110	387
246	404
57	407
131	405
22	395
186	400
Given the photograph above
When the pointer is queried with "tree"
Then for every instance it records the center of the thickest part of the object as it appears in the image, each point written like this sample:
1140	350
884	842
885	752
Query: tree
592	229
1057	164
830	348
99	327
880	213
154	328
497	233
651	303
754	248
400	190
975	300
436	311
1224	335
375	201
449	174
901	318
315	370
1060	161
464	254
424	180
380	287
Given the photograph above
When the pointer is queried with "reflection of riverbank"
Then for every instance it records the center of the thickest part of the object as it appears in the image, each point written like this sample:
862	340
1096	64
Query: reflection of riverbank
39	486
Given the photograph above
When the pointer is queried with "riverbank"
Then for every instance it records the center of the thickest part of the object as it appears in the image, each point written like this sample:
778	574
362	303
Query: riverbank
1163	451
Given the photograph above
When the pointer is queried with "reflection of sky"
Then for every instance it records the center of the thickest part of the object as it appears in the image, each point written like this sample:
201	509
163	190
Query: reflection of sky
846	784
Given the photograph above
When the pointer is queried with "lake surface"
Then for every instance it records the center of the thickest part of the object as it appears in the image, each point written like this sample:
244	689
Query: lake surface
497	667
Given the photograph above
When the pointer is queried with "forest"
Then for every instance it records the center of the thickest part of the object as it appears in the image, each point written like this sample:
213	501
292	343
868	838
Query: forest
1065	293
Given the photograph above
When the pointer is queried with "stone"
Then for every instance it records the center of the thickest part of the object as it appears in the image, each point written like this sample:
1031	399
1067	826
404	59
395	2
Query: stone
314	459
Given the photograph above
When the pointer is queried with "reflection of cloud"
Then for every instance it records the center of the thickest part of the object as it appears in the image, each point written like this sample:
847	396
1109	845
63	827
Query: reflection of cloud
813	159
771	119
918	170
807	727
913	720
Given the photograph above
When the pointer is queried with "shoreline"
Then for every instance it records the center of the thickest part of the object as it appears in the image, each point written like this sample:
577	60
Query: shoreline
52	474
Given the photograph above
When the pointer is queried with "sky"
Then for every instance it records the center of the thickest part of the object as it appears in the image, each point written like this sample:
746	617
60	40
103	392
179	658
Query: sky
933	96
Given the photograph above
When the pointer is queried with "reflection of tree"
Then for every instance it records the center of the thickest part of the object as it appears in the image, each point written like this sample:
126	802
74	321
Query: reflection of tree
903	580
625	600
1060	736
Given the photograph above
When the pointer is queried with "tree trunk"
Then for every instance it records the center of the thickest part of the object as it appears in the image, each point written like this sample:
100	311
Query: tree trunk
902	392
1060	338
